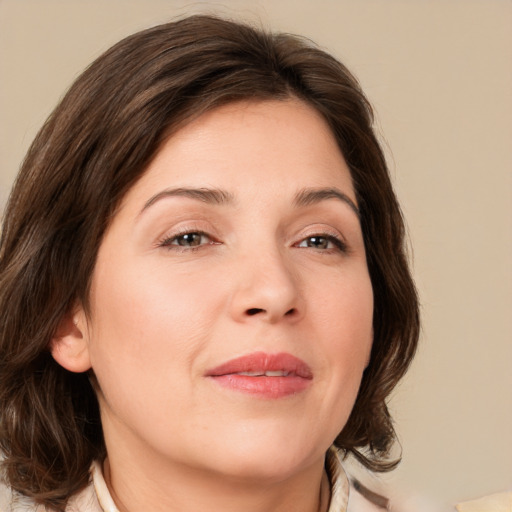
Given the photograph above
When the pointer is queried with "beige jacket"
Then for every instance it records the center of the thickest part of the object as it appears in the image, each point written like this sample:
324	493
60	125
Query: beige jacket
501	502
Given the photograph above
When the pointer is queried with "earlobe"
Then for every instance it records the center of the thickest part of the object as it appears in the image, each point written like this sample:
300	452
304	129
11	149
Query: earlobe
69	345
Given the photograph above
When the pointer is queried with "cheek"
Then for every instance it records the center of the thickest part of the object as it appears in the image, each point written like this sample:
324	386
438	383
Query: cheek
345	318
346	312
132	305
341	322
145	321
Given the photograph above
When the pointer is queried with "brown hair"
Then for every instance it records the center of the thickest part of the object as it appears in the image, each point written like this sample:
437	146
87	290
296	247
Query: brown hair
93	148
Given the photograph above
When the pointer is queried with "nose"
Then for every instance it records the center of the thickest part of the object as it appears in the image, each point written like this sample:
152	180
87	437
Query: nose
267	287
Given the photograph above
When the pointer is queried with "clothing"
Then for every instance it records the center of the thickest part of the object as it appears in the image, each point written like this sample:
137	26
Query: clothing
345	496
500	502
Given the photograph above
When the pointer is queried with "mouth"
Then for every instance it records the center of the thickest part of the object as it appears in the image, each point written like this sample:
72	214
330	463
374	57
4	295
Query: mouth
264	375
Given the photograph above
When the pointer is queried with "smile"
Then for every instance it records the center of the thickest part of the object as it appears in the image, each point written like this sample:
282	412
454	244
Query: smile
278	373
268	376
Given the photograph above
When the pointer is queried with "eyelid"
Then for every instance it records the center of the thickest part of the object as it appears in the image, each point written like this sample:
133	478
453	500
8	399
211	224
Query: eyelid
330	234
168	241
184	228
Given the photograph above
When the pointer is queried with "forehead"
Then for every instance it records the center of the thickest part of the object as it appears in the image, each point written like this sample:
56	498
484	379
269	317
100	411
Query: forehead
249	145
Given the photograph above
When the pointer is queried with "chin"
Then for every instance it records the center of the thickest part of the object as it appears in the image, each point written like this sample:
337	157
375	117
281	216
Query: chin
268	469
266	458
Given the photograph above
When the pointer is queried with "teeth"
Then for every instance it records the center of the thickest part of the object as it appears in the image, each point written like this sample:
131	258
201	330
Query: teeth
276	373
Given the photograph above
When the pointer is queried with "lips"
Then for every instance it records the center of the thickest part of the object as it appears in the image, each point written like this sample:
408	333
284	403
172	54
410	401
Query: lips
264	375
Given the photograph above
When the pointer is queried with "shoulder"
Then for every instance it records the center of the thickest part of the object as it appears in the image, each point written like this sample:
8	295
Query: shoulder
362	499
10	501
348	492
13	502
500	502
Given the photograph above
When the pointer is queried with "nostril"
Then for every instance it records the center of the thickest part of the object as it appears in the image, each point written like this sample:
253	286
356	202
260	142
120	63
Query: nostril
254	311
290	312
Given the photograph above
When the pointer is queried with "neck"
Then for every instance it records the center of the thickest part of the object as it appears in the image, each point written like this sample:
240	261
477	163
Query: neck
137	487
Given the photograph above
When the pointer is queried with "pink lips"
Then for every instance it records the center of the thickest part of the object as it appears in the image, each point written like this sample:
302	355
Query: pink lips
265	375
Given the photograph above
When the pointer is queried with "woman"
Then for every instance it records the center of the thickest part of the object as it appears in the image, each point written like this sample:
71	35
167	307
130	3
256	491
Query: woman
204	293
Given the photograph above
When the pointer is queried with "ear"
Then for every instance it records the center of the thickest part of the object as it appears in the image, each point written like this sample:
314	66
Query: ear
69	345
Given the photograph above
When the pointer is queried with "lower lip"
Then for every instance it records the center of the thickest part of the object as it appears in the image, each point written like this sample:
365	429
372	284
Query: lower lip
264	387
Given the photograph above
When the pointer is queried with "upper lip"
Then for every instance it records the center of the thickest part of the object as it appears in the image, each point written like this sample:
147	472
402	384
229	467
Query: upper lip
261	362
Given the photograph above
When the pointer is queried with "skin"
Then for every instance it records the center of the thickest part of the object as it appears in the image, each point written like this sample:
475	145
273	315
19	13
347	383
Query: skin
269	275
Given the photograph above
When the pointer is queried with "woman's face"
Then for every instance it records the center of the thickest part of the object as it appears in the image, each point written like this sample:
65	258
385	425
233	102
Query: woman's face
231	306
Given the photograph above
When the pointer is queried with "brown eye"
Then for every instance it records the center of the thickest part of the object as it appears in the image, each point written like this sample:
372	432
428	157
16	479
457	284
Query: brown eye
323	243
190	240
317	242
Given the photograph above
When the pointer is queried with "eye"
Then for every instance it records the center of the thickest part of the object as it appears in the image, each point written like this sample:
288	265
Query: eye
323	242
190	239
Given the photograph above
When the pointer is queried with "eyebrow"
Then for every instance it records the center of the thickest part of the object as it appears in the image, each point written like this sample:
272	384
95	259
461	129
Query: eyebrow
305	197
206	195
311	196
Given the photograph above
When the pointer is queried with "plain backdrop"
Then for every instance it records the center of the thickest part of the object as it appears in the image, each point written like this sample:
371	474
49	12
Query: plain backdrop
439	74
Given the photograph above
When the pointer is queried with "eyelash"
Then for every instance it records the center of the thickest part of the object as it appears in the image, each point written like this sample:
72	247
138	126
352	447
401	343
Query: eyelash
339	244
169	241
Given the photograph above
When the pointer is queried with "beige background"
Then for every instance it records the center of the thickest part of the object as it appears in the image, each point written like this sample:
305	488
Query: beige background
440	76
